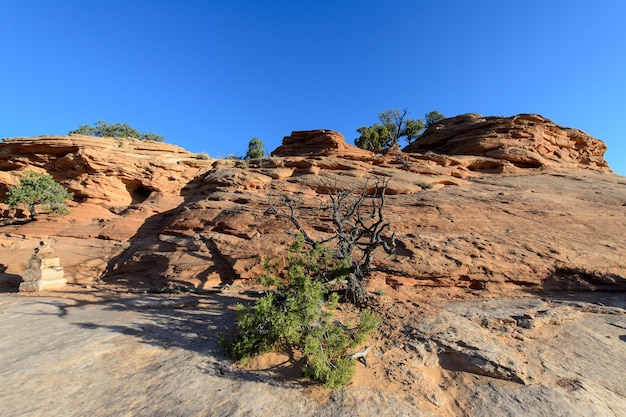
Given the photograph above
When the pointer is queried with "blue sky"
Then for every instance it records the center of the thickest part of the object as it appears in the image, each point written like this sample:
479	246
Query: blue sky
210	75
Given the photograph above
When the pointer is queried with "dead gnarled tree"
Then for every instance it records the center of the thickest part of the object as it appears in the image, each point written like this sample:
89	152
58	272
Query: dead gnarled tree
358	225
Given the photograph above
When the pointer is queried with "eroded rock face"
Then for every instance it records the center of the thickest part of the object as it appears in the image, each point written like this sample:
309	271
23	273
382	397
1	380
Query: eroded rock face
150	214
117	185
105	171
318	142
525	140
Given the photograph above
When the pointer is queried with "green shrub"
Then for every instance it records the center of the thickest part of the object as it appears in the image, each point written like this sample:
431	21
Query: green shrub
37	188
115	130
394	124
255	149
300	315
432	118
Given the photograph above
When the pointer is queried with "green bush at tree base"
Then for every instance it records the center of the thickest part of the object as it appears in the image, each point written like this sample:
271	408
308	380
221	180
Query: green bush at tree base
300	315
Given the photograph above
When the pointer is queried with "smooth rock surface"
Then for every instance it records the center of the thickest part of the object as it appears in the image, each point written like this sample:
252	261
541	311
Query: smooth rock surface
477	357
85	354
145	356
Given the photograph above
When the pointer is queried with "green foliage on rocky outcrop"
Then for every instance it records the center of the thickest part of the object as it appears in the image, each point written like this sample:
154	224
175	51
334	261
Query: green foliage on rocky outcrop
36	188
299	315
115	130
394	125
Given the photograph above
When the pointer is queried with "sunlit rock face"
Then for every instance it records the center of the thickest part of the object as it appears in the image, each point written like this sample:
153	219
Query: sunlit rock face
317	143
525	141
493	204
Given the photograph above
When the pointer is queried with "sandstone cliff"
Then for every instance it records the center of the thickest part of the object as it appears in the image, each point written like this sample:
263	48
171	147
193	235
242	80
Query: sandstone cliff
466	213
104	171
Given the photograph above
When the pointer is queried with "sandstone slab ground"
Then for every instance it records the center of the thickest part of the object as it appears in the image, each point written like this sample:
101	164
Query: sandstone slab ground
144	355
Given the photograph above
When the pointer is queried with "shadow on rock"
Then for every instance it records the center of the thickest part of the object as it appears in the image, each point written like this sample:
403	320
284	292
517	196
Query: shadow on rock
192	323
147	260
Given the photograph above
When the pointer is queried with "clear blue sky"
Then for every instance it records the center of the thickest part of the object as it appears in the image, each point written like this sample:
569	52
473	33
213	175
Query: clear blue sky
210	75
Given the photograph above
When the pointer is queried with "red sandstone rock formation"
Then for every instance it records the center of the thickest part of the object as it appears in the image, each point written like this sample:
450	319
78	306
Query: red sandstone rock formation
148	214
321	142
525	140
104	171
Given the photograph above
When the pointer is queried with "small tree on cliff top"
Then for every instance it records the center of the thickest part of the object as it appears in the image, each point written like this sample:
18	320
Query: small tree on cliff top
394	125
115	130
432	117
255	149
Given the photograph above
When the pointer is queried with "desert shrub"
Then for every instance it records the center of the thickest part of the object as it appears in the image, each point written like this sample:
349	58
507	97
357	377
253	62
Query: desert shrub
299	314
115	130
36	188
255	149
394	125
202	156
432	118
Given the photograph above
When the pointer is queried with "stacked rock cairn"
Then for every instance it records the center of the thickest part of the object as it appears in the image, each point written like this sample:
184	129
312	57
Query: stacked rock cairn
44	271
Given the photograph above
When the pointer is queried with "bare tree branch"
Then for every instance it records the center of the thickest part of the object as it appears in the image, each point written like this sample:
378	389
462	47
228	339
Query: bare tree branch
358	223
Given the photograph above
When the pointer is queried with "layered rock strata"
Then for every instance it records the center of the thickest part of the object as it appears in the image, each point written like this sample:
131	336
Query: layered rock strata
467	219
525	140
